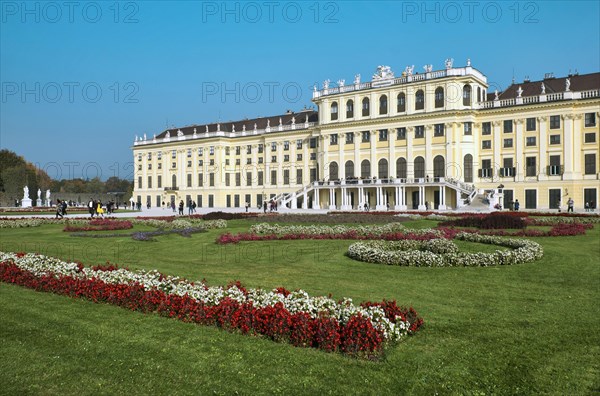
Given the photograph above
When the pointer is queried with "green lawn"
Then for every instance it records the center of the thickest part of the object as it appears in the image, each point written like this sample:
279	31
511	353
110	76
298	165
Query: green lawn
526	329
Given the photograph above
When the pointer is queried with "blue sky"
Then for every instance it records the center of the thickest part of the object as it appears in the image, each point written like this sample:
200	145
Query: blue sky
79	80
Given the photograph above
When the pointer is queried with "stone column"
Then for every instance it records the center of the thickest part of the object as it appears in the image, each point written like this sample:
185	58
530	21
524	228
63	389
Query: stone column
519	157
568	146
373	153
542	156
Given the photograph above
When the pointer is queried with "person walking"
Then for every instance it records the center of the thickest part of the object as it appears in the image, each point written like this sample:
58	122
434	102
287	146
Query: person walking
517	205
181	207
265	206
173	206
247	206
99	210
91	207
58	209
570	204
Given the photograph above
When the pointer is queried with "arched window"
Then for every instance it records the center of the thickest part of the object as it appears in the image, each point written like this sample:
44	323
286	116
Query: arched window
174	181
467	95
382	166
349	168
350	109
468	167
439	166
419	100
334	111
401	102
333	171
365	169
419	167
479	94
383	105
439	97
365	107
401	168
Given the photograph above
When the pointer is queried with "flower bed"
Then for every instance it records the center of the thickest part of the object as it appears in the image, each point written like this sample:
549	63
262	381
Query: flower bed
281	315
268	232
443	253
561	229
100	225
487	221
332	218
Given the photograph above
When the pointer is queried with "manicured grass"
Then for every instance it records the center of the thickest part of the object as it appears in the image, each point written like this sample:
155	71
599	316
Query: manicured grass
525	329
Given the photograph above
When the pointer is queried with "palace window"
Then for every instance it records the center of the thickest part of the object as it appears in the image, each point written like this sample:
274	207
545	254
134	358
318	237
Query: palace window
249	149
211	150
298	157
508	143
149	156
486	144
401	106
507	170
555	168
312	143
313	156
365	107
508	126
350	109
237	150
159	155
174	154
468	128
401	133
438	130
590	119
227	150
419	100
349	137
439	97
590	164
486	168
189	153
590	138
383	105
366	136
333	139
531	124
554	122
286	158
273	146
419	131
286	145
554	139
467	95
530	141
383	135
486	128
299	143
334	111
530	166
274	158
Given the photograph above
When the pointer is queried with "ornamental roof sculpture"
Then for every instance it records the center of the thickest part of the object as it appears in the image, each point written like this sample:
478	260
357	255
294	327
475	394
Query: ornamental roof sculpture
383	73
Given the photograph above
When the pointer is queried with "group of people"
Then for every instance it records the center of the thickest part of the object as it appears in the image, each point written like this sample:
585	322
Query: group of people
95	207
272	206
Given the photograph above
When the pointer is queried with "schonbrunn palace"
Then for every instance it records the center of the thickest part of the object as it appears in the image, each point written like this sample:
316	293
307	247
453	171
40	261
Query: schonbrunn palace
439	139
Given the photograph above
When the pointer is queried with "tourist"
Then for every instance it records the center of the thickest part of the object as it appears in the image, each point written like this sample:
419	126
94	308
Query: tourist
163	205
517	205
265	207
181	207
193	206
247	206
58	209
64	208
587	206
189	206
91	207
570	204
173	206
99	210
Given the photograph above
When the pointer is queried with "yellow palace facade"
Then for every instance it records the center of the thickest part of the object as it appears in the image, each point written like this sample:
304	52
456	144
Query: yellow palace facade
432	140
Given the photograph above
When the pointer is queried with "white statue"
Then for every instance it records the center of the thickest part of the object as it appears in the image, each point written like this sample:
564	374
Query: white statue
244	128
293	120
47	195
326	84
428	68
496	93
409	70
136	138
468	62
168	135
383	73
25	192
179	133
280	122
268	123
315	88
218	127
144	136
519	92
449	63
255	126
39	194
232	127
194	132
543	89
357	79
341	83
568	84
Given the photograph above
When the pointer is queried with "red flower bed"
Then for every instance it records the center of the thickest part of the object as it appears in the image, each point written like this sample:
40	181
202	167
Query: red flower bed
101	225
227	238
357	337
488	221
